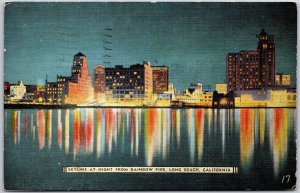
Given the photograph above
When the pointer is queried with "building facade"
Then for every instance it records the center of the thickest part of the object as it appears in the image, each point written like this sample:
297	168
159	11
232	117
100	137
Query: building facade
99	82
252	69
18	91
194	96
271	97
52	94
160	79
134	82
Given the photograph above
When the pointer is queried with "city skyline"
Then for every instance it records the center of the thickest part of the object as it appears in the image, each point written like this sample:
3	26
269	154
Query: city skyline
192	39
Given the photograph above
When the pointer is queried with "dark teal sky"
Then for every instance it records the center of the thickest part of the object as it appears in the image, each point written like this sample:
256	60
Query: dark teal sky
191	38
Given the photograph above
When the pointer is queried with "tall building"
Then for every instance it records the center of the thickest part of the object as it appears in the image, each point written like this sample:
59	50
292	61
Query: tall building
125	83
266	50
252	69
74	89
160	79
99	81
148	79
80	89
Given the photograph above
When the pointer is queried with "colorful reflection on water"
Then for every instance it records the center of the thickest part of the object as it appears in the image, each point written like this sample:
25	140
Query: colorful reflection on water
162	136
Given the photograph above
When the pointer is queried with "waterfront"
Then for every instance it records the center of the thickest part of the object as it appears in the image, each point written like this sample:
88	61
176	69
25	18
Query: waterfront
260	142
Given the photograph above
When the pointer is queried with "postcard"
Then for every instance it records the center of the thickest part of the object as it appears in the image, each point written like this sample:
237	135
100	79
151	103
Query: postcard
150	96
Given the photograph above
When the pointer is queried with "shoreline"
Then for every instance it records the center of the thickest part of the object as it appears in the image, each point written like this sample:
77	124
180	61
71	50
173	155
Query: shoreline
72	106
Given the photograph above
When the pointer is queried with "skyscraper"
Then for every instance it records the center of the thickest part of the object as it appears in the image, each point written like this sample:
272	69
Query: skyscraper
160	79
80	89
99	81
266	50
252	69
74	89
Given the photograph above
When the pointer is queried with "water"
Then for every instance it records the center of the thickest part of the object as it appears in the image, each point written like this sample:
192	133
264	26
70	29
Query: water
260	142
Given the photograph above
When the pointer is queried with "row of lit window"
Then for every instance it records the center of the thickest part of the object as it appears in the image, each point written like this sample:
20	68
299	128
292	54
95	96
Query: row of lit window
128	92
75	71
54	92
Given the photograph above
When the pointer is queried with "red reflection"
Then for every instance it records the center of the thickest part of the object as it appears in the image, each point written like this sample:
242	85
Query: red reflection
149	129
108	125
199	127
82	136
173	118
90	130
41	128
76	135
15	126
280	139
246	136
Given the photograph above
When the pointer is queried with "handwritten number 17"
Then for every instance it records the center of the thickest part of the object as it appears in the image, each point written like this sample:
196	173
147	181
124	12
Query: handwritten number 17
285	178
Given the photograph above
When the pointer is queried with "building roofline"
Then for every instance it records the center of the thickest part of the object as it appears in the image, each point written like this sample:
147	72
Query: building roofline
99	65
160	66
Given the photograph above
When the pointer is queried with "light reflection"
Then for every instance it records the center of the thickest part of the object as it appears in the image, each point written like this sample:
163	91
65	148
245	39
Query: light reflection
32	126
261	126
41	128
200	133
26	125
231	121
246	138
98	133
149	127
108	128
215	119
279	142
137	113
177	118
76	133
222	123
164	129
132	125
49	128
89	129
128	131
190	114
209	119
19	126
67	131
15	126
59	129
121	118
256	126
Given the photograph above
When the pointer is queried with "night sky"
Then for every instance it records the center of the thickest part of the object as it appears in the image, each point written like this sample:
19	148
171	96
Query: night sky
192	39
